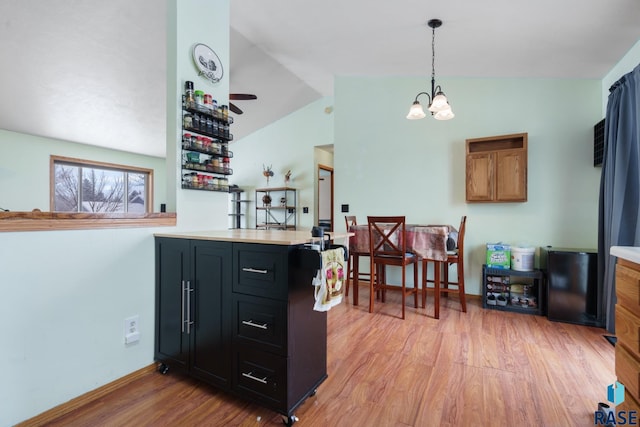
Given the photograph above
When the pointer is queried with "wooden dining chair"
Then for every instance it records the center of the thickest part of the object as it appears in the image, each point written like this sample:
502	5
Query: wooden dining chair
455	256
388	247
354	275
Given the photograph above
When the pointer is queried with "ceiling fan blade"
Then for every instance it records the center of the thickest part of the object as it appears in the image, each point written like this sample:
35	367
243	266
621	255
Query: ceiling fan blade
242	96
234	109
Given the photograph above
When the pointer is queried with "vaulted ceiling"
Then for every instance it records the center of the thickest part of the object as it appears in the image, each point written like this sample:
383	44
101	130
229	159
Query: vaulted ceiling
73	68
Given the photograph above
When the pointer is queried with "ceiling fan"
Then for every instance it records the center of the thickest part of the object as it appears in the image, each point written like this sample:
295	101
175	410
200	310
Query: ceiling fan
239	97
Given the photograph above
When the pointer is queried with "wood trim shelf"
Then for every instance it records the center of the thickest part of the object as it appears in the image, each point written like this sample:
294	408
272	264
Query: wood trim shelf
48	221
268	189
275	207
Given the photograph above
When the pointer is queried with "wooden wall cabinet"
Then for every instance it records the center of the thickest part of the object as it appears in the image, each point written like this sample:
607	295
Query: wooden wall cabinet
496	168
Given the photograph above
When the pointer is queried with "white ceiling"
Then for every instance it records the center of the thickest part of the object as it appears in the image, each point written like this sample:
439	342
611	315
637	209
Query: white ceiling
491	38
94	71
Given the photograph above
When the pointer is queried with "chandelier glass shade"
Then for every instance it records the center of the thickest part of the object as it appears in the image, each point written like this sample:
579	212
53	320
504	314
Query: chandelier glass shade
438	103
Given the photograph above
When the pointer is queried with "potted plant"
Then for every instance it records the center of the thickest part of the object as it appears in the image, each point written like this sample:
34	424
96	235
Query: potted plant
267	172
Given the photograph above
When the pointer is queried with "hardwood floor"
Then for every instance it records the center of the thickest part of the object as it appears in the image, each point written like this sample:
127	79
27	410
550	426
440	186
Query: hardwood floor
479	368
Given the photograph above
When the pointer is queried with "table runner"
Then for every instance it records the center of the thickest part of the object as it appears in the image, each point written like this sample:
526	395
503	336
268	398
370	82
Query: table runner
426	241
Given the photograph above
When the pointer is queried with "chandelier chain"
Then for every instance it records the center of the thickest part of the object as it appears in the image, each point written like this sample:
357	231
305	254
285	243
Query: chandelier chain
433	53
438	104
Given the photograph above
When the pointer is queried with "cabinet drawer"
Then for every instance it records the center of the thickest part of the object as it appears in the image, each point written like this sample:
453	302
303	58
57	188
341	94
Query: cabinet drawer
261	376
628	371
629	404
260	322
628	330
260	270
628	287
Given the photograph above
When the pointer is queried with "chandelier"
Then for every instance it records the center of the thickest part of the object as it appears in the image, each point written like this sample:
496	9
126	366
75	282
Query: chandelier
438	103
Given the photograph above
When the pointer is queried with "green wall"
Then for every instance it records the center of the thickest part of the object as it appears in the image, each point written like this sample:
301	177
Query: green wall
24	168
286	145
65	294
388	165
191	22
385	164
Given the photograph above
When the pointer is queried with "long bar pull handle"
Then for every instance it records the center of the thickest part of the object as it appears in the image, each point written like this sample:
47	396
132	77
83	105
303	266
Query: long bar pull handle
182	307
254	270
189	321
251	377
255	325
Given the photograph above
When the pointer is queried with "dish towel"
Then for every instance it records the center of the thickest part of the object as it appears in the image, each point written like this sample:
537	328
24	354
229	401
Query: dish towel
329	281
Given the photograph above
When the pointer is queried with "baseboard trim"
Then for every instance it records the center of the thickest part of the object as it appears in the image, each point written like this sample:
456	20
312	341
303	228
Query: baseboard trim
73	404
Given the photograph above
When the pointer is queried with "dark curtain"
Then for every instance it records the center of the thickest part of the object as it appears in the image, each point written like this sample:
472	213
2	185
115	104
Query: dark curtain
618	223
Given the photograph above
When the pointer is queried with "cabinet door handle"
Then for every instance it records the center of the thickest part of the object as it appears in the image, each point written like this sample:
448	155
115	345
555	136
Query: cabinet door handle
251	377
189	321
255	325
254	270
182	307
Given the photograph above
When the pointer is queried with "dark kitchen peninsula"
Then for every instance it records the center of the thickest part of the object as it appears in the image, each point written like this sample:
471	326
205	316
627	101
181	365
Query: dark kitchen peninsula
234	309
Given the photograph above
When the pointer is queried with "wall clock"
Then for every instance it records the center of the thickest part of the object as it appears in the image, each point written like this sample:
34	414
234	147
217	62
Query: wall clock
207	62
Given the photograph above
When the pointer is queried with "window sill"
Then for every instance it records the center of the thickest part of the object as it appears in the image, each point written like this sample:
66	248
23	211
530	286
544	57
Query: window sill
49	221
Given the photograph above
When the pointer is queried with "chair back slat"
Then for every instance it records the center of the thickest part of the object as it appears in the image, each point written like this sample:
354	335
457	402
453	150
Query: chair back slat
386	236
388	247
350	220
460	242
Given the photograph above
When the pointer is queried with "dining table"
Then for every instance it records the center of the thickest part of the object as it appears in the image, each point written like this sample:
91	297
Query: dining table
427	242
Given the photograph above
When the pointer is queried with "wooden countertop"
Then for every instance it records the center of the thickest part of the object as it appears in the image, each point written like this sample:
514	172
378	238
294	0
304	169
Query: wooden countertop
630	253
269	237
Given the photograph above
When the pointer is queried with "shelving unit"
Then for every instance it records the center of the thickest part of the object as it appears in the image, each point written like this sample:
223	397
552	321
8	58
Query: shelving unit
237	211
205	148
276	208
522	290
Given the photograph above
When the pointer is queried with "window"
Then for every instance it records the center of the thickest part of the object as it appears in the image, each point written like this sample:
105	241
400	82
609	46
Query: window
86	186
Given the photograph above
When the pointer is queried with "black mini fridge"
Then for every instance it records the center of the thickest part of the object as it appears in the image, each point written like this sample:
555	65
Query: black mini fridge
572	285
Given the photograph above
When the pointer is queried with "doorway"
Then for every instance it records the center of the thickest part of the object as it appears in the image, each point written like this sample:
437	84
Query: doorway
325	197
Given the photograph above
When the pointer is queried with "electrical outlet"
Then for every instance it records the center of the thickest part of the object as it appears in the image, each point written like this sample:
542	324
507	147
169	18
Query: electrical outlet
132	329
